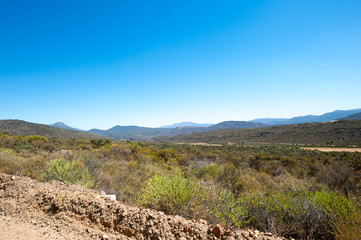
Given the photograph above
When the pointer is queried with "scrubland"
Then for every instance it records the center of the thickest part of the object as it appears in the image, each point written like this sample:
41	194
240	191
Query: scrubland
286	190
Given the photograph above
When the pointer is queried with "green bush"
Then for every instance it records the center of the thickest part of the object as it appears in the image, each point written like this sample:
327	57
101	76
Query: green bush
226	175
173	194
230	209
345	214
305	215
66	171
289	214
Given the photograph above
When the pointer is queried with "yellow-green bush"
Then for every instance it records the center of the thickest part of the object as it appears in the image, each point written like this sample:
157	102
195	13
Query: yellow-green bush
173	194
66	171
230	209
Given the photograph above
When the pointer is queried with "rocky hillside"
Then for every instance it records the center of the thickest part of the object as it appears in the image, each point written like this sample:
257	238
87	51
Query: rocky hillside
19	127
54	210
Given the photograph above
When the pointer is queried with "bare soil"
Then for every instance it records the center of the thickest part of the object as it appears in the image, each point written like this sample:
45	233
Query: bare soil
53	210
328	149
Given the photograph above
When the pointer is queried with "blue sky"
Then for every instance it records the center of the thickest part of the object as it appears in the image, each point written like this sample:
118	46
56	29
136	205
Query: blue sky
96	64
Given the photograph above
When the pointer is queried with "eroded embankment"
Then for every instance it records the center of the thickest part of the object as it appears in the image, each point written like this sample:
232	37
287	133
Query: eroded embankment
63	211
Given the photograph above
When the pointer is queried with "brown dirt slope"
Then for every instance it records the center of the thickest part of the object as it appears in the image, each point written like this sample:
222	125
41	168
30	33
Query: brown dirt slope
54	210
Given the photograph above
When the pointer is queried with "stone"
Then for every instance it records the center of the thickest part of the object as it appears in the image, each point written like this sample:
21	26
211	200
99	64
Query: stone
218	231
104	236
244	233
228	232
202	221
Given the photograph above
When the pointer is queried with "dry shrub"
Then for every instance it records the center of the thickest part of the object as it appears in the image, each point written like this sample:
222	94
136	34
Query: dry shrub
23	164
348	227
255	181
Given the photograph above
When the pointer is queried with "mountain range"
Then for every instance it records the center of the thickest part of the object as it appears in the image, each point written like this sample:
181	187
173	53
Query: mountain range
334	133
330	116
144	133
60	129
188	124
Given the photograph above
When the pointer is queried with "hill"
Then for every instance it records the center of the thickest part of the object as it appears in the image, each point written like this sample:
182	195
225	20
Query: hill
64	126
19	127
356	116
338	133
131	132
236	125
54	210
335	115
144	133
188	124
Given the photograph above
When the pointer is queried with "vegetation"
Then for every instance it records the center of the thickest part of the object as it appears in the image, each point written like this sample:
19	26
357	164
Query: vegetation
68	172
173	194
26	128
283	189
339	133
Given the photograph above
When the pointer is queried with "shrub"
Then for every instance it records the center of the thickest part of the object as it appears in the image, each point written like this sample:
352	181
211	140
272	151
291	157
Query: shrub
173	194
72	172
227	175
349	227
345	214
230	209
289	214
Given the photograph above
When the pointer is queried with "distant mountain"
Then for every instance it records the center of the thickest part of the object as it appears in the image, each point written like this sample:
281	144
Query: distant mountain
337	133
131	132
19	127
144	133
188	124
64	126
270	121
338	114
236	125
355	116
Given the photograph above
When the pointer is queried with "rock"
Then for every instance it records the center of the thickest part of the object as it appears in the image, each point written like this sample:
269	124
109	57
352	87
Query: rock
228	232
186	228
218	231
104	236
202	221
244	233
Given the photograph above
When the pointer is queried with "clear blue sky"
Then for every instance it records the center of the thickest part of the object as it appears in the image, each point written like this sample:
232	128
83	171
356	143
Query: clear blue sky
150	63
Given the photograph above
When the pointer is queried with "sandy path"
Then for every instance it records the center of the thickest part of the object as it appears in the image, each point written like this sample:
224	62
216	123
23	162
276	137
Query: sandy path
14	228
326	149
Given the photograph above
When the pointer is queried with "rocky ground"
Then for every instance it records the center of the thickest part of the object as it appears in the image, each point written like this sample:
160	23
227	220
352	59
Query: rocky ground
54	210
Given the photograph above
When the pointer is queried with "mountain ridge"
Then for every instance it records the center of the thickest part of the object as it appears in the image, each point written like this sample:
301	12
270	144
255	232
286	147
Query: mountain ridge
187	124
64	126
334	133
144	133
20	127
329	116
